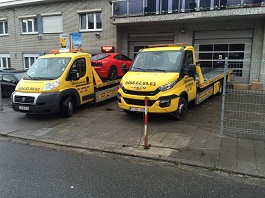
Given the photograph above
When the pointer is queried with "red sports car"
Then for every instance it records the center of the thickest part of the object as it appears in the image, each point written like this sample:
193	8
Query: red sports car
109	65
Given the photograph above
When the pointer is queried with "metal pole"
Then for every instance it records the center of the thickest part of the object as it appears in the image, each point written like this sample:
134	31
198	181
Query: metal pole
1	106
146	146
223	97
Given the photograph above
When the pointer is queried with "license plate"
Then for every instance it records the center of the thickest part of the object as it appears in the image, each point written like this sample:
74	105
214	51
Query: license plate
23	108
136	109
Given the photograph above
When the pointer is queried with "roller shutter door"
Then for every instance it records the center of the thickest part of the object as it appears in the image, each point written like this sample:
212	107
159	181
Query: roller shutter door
139	41
212	47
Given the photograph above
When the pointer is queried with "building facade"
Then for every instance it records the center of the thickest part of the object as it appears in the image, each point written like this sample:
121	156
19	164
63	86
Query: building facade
216	28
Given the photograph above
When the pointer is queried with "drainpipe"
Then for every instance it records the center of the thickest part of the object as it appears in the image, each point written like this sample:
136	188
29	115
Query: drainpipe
1	106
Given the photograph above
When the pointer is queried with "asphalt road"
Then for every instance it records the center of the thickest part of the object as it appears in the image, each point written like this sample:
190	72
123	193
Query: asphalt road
41	171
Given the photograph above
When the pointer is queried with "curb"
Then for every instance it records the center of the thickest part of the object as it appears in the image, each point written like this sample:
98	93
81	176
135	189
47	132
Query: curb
157	158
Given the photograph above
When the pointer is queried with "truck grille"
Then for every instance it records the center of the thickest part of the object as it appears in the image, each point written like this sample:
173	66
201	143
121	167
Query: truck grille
138	102
24	99
141	93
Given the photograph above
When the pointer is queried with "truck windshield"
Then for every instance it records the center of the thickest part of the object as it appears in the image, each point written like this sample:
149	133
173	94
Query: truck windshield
47	68
163	61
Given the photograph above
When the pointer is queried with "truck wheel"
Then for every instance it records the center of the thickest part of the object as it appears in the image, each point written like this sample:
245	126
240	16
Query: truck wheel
113	73
220	91
182	109
67	107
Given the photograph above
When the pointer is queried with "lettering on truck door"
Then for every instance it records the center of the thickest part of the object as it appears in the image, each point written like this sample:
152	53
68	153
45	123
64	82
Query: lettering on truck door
82	85
189	81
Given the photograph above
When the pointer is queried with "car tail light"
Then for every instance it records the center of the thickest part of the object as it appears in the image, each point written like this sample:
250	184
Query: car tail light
96	63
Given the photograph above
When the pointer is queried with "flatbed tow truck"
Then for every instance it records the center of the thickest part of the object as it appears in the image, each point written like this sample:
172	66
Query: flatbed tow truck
59	82
170	78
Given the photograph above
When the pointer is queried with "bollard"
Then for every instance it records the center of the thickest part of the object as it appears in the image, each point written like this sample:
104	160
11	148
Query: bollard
146	146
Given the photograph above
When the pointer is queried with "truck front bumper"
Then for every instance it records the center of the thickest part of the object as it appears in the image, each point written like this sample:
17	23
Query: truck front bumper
165	104
36	103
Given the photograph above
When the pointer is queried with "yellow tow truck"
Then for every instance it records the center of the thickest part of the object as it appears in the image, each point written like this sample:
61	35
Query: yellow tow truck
59	82
169	77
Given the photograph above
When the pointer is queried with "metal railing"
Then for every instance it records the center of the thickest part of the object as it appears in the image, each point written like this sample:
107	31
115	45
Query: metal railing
122	8
243	109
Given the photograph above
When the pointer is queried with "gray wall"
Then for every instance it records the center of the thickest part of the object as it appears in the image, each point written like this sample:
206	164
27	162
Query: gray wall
258	50
16	43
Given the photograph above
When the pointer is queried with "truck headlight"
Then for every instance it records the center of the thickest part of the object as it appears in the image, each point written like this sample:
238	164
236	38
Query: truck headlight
168	86
51	85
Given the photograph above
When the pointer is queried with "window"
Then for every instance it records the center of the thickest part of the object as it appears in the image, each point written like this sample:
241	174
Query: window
188	59
214	56
29	59
52	24
5	61
8	79
122	57
3	28
29	25
80	66
91	22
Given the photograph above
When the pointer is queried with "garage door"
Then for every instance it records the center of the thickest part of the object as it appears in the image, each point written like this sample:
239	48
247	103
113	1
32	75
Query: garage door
212	47
139	41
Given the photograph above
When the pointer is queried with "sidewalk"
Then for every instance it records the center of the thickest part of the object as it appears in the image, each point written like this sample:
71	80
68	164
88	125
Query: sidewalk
104	127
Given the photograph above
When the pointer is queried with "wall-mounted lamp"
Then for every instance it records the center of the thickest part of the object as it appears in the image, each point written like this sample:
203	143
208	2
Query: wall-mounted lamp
39	36
97	35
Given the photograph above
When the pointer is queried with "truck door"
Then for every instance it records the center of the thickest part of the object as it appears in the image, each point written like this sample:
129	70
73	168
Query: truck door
83	85
189	81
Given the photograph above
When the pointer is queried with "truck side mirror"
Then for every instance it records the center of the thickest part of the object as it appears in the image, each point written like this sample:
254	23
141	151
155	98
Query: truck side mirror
124	68
190	71
73	75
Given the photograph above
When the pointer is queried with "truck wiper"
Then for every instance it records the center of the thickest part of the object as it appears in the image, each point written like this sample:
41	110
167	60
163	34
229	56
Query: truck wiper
29	76
156	70
48	78
42	78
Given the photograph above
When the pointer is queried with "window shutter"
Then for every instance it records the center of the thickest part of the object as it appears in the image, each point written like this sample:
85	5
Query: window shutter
52	24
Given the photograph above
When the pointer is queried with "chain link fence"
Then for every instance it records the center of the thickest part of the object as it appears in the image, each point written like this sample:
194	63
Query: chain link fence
243	109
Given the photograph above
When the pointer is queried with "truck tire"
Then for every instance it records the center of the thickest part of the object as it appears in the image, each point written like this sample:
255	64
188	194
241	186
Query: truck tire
67	107
113	73
182	109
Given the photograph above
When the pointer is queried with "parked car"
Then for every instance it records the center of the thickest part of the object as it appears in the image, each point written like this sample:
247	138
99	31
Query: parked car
9	79
109	65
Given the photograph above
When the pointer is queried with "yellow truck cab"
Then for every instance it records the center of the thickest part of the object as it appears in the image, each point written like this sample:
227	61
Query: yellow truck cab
169	77
59	82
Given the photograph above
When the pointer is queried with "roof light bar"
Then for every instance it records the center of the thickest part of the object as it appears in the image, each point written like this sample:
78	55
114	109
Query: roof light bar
66	50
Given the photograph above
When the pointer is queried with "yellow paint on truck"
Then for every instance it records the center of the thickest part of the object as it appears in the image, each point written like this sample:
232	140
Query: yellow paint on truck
59	82
169	77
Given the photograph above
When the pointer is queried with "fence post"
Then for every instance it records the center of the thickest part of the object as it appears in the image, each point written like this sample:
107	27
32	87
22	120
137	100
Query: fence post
223	97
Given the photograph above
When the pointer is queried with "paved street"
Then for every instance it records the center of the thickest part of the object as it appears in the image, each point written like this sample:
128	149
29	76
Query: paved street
104	127
53	171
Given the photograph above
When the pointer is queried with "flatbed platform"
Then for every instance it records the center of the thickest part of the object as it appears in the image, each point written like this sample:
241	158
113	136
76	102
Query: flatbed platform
210	75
